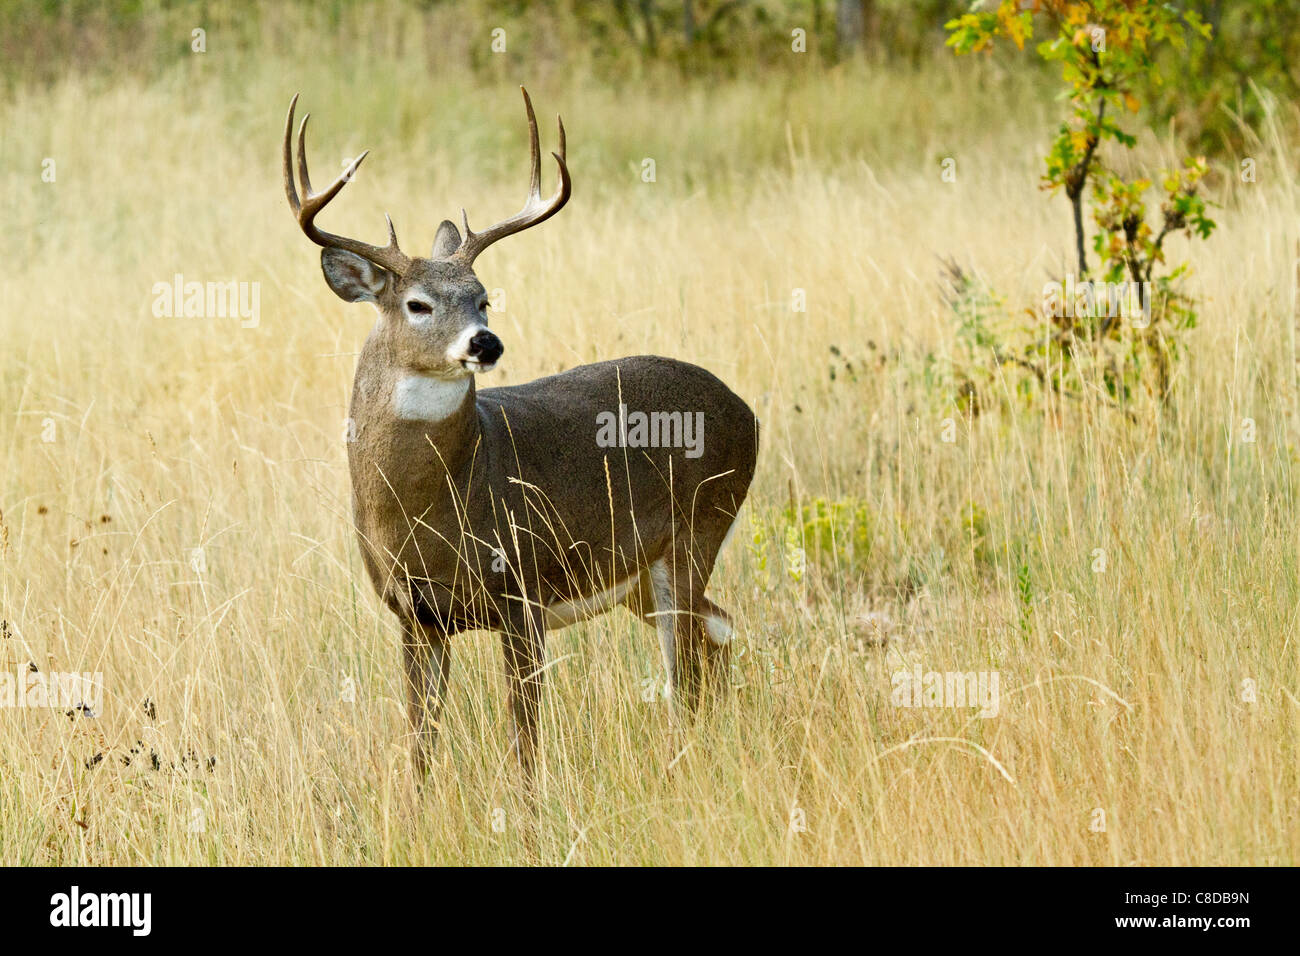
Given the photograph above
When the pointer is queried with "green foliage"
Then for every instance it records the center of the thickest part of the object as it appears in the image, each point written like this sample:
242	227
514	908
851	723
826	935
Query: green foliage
1254	46
617	39
758	547
836	537
975	527
1108	52
984	328
1025	598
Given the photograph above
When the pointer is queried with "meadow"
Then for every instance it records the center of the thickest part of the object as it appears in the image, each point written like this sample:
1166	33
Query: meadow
174	503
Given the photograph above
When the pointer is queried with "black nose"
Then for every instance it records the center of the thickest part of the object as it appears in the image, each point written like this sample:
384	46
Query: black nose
485	347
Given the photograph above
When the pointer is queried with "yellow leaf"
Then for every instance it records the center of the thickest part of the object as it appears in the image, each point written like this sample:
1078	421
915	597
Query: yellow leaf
1131	102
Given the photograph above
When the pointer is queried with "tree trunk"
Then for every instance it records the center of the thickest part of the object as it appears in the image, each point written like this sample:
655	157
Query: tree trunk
850	24
648	21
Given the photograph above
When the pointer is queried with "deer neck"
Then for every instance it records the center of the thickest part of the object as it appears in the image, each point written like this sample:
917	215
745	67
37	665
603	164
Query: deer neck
434	406
416	426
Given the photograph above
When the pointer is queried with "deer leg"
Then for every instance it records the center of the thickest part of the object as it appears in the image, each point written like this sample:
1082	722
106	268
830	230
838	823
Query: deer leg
524	642
711	625
680	634
715	644
427	660
696	639
663	595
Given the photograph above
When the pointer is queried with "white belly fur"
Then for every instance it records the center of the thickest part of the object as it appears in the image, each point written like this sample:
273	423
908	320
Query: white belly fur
564	613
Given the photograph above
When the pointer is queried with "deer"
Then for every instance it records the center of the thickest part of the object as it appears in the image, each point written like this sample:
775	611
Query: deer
512	509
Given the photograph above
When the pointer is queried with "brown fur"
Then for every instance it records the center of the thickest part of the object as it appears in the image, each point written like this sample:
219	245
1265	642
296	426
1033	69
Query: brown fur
505	513
515	479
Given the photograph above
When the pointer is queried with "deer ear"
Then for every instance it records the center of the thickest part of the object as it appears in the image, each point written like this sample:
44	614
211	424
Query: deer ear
352	278
446	241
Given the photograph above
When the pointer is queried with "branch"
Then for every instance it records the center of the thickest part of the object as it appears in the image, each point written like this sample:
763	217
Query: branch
1074	189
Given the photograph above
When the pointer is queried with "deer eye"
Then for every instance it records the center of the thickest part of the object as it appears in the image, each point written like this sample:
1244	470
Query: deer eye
418	307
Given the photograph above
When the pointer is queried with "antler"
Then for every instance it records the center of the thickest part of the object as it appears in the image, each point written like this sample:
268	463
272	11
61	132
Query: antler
388	257
535	209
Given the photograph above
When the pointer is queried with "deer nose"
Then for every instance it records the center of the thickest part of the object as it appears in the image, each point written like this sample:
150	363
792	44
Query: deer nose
485	347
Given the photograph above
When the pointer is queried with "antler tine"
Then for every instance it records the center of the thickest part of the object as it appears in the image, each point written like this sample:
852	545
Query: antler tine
289	190
534	151
535	210
302	156
305	209
315	202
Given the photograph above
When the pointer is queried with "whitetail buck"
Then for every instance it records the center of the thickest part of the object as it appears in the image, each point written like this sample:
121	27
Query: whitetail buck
503	509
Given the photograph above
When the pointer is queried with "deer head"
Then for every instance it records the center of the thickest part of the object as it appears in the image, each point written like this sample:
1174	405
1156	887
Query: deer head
434	310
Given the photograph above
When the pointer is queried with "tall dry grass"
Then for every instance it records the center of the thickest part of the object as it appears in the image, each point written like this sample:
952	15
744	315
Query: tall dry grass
1122	690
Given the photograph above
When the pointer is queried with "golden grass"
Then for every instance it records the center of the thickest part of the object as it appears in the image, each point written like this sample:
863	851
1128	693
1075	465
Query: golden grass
1121	690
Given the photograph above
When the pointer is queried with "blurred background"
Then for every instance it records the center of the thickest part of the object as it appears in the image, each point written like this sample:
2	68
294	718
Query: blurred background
824	205
618	41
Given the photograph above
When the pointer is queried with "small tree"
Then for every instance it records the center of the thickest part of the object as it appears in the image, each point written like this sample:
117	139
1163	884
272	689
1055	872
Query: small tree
1107	51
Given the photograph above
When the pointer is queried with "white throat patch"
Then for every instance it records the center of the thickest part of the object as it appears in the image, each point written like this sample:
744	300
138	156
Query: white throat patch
423	398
